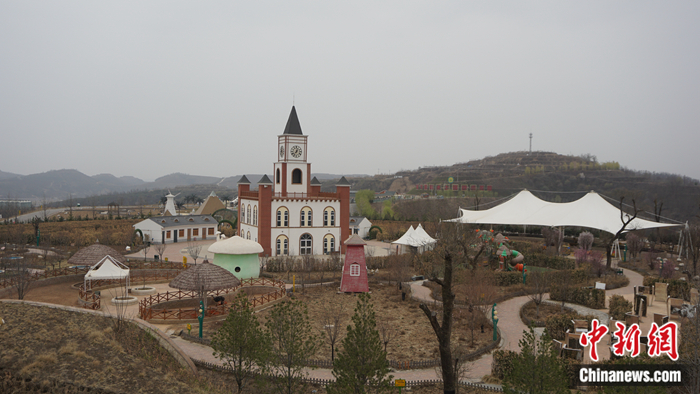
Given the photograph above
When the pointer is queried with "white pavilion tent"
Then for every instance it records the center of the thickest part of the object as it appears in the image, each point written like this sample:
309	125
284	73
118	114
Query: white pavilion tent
414	238
591	211
107	268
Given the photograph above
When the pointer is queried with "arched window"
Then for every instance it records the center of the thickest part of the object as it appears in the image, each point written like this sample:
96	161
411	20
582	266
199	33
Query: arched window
248	236
249	217
329	217
296	176
242	213
282	217
255	215
282	246
306	219
277	176
305	244
328	244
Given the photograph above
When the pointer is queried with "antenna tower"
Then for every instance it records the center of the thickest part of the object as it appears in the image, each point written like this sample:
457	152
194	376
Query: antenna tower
530	143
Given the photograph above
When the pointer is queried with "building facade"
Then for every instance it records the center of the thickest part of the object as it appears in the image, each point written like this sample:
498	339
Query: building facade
289	215
171	229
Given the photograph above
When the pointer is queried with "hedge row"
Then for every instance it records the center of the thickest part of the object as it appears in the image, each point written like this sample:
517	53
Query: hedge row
619	306
676	288
556	325
592	298
512	278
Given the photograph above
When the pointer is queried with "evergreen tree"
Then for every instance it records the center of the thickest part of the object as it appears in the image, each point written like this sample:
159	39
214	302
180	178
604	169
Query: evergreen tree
240	342
537	369
292	345
361	366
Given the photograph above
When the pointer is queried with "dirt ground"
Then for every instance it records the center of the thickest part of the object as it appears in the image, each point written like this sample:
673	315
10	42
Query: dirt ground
414	337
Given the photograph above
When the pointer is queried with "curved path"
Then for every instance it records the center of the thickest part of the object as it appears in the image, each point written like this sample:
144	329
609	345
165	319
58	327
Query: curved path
510	325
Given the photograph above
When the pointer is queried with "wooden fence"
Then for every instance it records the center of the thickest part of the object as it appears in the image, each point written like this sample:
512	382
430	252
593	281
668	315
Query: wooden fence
91	299
148	306
325	382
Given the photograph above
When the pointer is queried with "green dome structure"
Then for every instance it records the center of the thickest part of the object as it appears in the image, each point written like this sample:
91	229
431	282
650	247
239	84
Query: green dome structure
237	255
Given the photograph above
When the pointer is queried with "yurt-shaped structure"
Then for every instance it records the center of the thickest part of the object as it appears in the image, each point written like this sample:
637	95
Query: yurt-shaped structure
238	256
93	254
205	277
354	279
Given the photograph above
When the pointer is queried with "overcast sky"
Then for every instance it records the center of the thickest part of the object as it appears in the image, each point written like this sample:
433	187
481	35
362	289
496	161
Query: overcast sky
150	88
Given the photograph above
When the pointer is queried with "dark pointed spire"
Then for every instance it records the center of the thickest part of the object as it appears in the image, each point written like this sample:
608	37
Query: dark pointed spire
315	181
244	180
265	181
293	126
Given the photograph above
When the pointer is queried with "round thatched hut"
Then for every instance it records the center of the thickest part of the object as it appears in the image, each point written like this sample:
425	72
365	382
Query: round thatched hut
93	254
205	277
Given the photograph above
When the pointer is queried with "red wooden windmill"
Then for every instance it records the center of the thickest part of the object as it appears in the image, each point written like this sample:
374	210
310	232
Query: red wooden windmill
354	279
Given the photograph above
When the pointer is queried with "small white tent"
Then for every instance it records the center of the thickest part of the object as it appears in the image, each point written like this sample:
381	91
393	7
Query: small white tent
590	211
414	238
107	268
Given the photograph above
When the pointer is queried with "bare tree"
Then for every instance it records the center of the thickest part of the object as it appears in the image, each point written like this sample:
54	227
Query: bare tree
387	331
454	243
160	249
539	284
634	245
23	277
553	238
479	291
146	247
332	321
193	249
626	219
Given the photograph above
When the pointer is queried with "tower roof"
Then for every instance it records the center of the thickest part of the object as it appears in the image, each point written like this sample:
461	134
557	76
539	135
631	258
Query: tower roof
343	182
293	126
265	181
244	180
315	181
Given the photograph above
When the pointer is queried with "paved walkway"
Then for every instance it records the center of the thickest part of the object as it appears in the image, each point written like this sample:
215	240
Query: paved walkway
510	325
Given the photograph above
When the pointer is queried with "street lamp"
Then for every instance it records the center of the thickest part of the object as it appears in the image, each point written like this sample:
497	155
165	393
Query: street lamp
494	319
201	317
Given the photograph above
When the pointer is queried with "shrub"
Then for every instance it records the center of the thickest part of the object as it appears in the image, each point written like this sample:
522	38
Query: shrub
508	278
556	325
592	298
668	268
615	281
619	306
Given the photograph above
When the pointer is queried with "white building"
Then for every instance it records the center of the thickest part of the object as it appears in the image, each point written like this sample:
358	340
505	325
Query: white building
291	216
170	229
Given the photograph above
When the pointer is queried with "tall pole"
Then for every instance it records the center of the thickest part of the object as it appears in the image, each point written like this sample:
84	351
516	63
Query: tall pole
530	143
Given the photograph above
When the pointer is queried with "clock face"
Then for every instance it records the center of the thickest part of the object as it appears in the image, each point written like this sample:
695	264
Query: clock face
296	151
281	151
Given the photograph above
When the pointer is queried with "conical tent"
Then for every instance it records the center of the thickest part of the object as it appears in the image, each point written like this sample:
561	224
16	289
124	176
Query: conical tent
105	269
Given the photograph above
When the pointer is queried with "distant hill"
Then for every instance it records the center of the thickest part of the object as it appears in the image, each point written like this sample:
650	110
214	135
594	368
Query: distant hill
553	177
8	175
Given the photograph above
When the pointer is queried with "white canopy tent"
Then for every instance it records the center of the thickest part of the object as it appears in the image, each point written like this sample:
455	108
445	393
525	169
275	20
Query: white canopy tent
414	238
107	268
591	211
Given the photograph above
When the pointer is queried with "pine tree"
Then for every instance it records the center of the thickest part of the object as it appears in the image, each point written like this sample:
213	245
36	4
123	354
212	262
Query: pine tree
537	369
361	366
293	343
240	342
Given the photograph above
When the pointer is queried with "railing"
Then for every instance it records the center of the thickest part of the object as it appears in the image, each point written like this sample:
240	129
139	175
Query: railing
307	196
148	311
53	273
92	299
324	382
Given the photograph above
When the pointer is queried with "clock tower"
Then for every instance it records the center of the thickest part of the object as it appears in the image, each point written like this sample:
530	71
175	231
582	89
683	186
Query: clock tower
291	171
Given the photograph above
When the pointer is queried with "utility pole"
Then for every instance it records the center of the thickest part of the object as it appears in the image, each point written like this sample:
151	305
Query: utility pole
530	144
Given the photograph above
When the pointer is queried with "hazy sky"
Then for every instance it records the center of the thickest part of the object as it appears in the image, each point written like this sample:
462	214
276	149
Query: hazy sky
148	88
